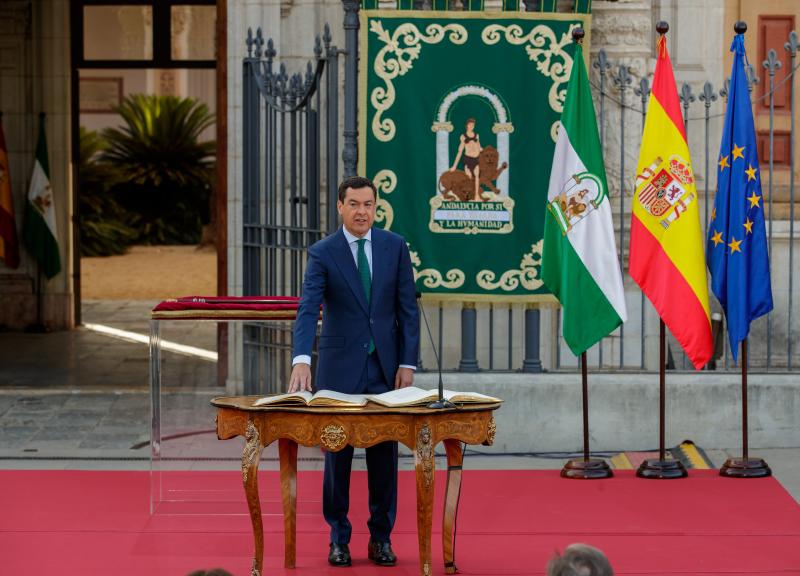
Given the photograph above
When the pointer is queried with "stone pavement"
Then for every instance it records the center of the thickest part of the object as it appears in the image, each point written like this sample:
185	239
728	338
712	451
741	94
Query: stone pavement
80	400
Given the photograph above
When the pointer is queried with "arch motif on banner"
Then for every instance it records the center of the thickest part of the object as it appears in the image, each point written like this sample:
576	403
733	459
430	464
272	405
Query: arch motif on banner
502	127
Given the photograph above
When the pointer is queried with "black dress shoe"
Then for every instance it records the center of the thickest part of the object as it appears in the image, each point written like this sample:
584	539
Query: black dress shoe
339	555
381	553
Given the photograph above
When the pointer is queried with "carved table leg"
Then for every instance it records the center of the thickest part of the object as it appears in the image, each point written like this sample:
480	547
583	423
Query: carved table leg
287	450
250	457
455	457
424	460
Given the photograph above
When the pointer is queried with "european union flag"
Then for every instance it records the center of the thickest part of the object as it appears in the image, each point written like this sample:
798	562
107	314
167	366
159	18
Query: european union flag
736	249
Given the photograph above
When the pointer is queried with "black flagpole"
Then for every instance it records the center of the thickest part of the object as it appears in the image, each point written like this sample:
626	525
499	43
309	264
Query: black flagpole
745	467
662	469
586	468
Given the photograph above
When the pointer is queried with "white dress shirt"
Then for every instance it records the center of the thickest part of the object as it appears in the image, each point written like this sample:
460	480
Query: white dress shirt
352	241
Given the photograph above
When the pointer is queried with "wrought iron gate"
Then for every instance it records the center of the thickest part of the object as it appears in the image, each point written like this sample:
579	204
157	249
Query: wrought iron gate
290	173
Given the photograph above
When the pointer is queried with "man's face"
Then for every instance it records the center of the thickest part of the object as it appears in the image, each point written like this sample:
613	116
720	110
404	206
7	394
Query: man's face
357	210
470	126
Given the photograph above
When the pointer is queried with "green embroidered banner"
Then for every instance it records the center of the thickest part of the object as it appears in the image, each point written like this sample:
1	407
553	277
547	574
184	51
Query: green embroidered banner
458	120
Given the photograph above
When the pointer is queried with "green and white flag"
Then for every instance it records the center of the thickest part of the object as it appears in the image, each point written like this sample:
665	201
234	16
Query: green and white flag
579	257
41	236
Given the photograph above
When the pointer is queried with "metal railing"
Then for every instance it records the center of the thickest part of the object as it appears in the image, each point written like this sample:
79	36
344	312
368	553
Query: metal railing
291	151
290	171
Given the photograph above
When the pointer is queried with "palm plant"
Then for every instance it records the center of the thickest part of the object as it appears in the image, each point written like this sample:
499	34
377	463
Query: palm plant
167	170
102	220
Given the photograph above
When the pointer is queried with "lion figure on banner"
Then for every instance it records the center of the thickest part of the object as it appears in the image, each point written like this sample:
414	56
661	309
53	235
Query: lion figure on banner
456	185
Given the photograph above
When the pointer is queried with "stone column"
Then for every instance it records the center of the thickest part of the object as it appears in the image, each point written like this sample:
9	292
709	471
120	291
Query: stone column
16	286
37	49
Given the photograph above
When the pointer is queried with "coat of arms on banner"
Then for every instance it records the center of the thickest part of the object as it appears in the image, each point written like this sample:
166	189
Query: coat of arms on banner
459	114
473	195
579	196
661	188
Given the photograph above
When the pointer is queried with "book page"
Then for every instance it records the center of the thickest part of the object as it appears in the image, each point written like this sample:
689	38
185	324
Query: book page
409	396
333	398
302	397
472	397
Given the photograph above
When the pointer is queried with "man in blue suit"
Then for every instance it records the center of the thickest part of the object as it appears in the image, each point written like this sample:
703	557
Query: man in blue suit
369	343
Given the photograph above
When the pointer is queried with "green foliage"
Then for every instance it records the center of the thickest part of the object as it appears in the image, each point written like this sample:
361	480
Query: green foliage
149	181
167	172
105	237
160	143
102	220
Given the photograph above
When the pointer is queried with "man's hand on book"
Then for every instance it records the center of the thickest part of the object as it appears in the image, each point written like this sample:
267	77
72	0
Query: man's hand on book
403	378
300	378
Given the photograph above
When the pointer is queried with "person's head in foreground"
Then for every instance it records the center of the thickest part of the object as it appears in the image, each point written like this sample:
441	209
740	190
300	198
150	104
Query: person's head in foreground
579	560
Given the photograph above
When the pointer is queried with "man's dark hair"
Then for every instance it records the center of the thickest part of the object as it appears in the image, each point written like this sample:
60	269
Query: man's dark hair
580	560
356	182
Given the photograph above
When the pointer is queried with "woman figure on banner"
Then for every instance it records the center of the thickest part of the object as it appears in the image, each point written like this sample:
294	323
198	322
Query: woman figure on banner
470	148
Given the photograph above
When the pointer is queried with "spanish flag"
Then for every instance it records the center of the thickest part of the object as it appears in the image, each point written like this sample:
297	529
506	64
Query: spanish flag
666	253
9	245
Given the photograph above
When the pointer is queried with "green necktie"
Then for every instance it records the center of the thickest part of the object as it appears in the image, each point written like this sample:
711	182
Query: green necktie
366	278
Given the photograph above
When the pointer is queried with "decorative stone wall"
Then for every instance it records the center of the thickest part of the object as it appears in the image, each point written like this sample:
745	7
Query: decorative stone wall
34	78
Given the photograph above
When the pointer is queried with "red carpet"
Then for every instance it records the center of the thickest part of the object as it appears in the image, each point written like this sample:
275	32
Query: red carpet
510	522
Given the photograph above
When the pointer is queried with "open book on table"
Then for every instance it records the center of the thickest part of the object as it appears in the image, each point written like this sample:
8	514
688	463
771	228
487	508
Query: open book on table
326	398
413	396
410	396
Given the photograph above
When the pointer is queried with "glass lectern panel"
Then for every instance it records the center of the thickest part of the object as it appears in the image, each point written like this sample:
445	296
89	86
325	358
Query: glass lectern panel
195	357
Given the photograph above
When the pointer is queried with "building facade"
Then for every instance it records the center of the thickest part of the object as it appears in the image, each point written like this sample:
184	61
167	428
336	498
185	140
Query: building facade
38	73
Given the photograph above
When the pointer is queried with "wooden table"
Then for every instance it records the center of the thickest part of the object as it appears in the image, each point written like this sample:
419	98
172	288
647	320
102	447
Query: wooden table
419	428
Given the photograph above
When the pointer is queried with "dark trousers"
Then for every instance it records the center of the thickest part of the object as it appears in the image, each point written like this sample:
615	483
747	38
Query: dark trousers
381	474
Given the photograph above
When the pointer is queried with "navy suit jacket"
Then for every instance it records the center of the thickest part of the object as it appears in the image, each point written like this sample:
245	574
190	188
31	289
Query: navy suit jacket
391	319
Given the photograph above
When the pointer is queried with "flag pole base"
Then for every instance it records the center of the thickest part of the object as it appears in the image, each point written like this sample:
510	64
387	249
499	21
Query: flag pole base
662	470
580	469
745	468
